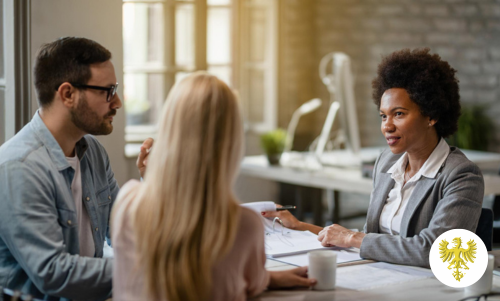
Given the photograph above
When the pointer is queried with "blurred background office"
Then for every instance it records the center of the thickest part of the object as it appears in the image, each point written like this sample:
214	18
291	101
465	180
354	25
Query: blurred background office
267	50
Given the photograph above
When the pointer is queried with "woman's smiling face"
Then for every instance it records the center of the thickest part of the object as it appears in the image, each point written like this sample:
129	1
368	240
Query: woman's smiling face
403	125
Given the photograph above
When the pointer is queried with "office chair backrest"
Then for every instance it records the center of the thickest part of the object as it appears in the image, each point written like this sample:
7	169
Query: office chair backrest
485	227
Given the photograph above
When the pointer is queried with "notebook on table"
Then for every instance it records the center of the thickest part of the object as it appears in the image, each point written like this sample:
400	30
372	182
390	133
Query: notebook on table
281	241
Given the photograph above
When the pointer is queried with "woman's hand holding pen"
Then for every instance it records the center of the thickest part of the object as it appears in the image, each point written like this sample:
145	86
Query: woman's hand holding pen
142	160
286	217
336	235
290	221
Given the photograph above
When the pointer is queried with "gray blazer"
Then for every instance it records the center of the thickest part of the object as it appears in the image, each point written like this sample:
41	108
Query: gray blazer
452	200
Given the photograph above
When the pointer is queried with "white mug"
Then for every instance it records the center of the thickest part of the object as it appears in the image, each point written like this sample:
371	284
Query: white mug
323	267
483	285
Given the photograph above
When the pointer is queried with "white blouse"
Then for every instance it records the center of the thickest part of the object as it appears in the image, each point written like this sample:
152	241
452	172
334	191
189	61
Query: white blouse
397	200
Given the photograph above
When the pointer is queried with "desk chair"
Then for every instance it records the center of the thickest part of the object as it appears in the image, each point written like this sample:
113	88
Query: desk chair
485	227
496	219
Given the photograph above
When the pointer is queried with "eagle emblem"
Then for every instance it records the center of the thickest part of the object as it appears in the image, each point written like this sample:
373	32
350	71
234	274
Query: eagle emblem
457	256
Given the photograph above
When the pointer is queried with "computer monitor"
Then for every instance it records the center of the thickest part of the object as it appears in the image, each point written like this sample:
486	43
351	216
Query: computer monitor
336	74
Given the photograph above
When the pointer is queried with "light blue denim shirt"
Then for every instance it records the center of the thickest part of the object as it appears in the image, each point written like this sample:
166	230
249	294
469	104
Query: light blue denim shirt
39	243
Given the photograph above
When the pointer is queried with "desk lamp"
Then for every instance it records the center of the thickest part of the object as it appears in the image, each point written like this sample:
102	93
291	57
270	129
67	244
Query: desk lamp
305	108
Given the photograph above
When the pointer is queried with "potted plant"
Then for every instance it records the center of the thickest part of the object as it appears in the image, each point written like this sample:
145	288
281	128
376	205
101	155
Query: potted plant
475	129
273	143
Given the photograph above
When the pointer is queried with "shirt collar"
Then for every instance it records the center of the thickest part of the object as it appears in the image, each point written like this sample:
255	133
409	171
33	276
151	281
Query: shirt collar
398	169
436	159
429	169
50	143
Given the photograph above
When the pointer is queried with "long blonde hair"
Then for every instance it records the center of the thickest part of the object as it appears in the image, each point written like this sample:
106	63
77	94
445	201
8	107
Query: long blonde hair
187	216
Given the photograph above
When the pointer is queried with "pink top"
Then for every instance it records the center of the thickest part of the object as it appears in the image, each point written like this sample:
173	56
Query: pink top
240	274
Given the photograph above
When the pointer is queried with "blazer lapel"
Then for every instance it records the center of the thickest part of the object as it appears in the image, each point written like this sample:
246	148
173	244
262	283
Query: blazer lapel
424	185
380	193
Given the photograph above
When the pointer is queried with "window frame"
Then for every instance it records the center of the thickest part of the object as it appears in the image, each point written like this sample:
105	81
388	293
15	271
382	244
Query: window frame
269	66
17	69
239	54
138	133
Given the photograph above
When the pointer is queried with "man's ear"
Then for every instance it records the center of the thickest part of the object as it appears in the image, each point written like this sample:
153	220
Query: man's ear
68	94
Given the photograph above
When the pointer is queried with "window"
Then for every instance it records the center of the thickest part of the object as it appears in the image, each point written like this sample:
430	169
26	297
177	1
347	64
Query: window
219	54
165	40
259	62
146	68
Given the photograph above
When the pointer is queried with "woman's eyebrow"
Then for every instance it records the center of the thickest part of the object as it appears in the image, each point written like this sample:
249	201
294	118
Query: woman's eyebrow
396	108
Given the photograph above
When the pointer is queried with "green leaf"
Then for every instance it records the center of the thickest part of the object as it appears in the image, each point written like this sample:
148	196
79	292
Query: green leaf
475	129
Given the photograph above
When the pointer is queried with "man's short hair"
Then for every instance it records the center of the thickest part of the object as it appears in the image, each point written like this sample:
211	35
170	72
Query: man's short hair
65	60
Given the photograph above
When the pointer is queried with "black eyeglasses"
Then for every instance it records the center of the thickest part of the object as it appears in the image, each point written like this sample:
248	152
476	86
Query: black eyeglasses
111	89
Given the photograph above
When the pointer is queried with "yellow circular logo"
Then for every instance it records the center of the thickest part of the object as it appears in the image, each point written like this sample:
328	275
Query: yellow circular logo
458	258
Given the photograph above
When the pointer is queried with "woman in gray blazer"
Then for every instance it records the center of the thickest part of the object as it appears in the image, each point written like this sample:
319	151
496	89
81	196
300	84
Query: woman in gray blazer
422	186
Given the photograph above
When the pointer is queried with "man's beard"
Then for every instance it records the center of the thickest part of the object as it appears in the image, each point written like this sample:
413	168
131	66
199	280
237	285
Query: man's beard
89	121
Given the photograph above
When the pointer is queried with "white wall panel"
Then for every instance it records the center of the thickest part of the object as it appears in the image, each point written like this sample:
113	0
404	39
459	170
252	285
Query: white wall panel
97	20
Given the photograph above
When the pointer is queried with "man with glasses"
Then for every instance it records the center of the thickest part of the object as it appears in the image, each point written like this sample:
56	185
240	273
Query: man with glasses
56	184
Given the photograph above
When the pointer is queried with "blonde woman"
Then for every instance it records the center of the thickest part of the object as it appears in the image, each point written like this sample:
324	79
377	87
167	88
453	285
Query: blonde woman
181	234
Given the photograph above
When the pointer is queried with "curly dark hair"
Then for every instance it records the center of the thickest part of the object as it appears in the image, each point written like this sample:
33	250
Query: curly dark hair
429	81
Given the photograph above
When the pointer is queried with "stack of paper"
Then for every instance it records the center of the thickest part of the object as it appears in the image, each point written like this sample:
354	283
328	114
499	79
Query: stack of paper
260	206
343	256
291	242
370	276
281	241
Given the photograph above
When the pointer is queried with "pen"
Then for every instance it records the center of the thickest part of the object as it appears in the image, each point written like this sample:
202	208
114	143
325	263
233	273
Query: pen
287	207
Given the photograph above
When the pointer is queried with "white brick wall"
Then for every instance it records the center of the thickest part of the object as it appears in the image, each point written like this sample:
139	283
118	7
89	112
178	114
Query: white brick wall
466	33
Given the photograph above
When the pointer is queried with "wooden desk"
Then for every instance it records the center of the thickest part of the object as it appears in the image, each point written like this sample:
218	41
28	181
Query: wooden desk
429	289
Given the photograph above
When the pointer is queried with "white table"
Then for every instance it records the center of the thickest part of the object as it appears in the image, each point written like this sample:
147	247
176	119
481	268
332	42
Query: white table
429	289
350	179
336	179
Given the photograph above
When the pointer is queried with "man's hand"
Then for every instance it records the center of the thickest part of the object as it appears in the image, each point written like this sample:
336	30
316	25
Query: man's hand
142	160
290	278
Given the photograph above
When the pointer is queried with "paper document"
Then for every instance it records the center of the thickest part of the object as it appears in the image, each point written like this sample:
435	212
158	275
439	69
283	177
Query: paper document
373	275
281	241
260	206
343	255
